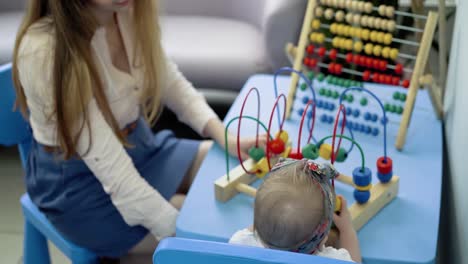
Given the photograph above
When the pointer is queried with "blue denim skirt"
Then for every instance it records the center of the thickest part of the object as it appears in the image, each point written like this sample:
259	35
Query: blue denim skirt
74	201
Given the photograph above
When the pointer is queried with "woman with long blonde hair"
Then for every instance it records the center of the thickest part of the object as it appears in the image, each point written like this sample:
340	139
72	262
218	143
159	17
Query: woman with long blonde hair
91	76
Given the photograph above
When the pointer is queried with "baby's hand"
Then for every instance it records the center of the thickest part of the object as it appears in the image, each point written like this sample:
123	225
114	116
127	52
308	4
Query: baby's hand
343	219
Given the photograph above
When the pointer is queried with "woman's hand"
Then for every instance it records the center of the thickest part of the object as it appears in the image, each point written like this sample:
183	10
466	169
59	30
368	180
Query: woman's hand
245	145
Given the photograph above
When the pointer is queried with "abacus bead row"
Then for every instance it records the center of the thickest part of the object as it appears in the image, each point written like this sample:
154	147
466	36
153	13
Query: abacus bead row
357	32
360	6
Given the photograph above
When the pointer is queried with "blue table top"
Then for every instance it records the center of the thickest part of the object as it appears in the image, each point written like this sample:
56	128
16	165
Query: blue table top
405	231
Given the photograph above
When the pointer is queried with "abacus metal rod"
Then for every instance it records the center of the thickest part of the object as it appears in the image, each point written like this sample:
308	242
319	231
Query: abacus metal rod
402	13
413	29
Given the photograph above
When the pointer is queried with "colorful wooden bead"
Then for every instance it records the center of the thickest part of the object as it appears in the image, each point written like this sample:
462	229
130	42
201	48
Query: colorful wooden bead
390	11
361	197
328	13
354	5
366	75
368	7
321	52
373	36
283	135
335	42
310	151
382	10
384	178
394	53
382	65
386	52
384	166
381	37
349	57
262	167
333	54
395	81
320	38
318	12
377	50
341	155
339	16
338	204
362	177
349	18
348	44
378	23
363	101
391	25
368	48
365	34
356	19
295	155
325	151
388	38
364	21
315	24
405	83
363	188
334	28
361	6
277	146
399	68
371	22
256	153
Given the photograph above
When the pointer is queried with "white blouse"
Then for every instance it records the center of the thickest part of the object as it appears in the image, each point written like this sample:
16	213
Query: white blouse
137	201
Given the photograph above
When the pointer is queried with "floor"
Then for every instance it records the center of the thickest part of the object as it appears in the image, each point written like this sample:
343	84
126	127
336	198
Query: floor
11	219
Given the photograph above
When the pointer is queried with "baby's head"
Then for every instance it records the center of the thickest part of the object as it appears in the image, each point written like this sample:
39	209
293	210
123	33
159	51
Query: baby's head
294	206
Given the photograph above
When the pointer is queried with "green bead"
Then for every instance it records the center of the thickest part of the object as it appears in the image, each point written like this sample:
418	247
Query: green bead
392	108
363	101
350	98
303	86
341	82
399	110
332	80
335	94
322	91
403	97
256	153
311	75
328	93
310	151
320	77
396	95
329	78
347	83
387	107
344	97
341	156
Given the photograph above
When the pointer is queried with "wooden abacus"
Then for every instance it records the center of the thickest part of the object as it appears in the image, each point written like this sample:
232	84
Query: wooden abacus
372	35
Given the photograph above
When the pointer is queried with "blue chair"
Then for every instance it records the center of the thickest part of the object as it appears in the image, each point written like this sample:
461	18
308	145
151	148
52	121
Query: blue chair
183	251
37	229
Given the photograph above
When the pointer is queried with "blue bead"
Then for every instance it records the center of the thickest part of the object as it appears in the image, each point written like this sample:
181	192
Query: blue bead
349	124
367	116
305	100
362	128
332	106
319	103
300	111
368	129
384	120
331	119
375	131
324	118
349	111
356	126
326	105
309	114
361	197
356	113
384	178
362	178
374	117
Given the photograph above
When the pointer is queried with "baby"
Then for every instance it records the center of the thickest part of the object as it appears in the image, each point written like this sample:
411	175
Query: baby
294	210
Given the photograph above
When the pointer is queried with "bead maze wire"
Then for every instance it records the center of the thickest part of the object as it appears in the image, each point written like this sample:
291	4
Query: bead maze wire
239	125
384	121
280	123
311	127
342	109
226	147
363	162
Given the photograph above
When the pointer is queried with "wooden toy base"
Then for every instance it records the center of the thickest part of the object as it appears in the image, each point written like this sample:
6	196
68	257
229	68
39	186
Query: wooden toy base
381	193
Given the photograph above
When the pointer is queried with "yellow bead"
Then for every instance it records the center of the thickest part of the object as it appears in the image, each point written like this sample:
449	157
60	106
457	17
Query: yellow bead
337	204
325	151
283	136
377	50
357	32
336	42
380	37
353	32
339	16
358	46
318	12
373	36
391	25
346	30
340	29
261	167
349	18
348	44
329	13
388	39
365	34
320	38
315	24
382	9
394	53
313	37
286	152
363	188
343	43
386	52
333	28
368	48
390	11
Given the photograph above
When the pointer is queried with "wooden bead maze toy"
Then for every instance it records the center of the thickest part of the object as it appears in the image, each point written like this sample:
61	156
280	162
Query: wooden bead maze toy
354	42
370	198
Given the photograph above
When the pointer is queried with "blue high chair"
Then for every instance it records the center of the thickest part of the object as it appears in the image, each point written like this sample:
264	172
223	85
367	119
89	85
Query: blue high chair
37	229
183	251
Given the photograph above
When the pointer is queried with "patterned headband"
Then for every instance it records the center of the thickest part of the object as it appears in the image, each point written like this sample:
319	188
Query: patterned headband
321	174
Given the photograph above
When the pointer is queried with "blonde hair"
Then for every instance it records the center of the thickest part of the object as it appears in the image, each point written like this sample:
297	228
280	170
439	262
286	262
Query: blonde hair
289	206
75	78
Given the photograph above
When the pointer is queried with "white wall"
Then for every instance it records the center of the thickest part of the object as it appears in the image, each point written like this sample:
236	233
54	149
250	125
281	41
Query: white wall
456	128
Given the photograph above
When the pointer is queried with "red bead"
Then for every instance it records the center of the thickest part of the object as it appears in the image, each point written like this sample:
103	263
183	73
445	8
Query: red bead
382	65
313	63
277	146
399	68
349	57
306	61
368	62
338	68
388	79
310	49
395	81
333	54
382	78
383	166
375	77
331	67
405	83
362	60
321	52
375	63
295	155
356	59
366	75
